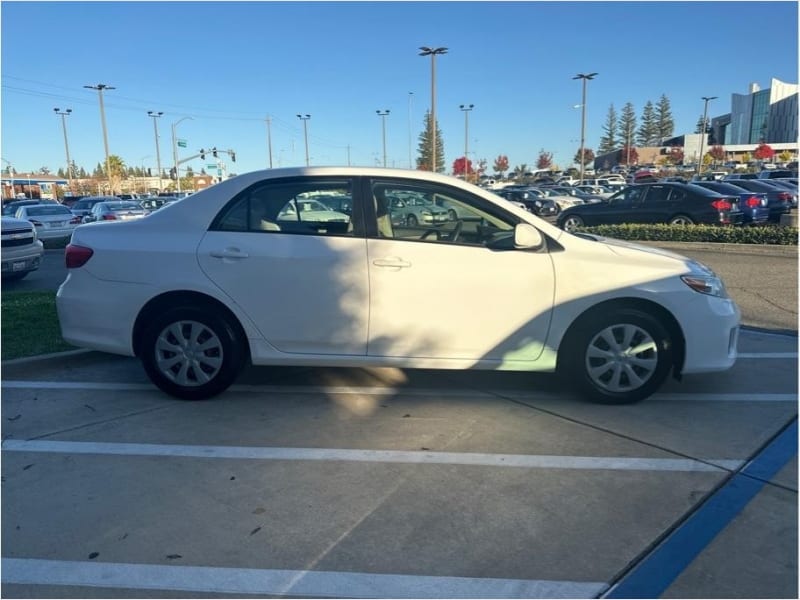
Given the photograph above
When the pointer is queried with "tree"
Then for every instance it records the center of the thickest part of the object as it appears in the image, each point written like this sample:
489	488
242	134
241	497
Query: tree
520	170
664	121
44	170
699	128
480	170
628	155
501	164
763	152
60	173
545	160
99	171
648	129
462	166
82	174
717	153
608	142
425	147
627	125
588	157
674	156
116	173
785	156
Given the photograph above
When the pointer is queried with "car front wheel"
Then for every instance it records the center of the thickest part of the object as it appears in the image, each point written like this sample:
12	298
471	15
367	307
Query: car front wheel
617	358
571	223
191	353
681	220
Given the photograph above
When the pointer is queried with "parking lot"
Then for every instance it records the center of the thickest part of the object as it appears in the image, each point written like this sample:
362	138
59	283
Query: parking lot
392	483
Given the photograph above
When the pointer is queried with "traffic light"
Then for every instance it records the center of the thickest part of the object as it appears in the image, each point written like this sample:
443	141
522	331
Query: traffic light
233	155
202	154
214	151
173	173
149	174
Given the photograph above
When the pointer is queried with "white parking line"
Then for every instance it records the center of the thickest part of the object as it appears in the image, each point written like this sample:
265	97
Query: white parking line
387	391
528	461
304	584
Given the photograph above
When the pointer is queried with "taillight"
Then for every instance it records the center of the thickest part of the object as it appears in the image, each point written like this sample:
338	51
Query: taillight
785	197
77	256
110	217
753	202
721	204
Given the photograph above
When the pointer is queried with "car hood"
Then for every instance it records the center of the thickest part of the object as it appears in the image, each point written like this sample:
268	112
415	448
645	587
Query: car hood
625	248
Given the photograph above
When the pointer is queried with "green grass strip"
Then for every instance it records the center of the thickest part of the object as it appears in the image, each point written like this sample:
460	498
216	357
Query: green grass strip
30	325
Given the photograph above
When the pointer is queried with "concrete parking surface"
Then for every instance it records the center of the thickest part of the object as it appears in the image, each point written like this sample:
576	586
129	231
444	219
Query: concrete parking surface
399	483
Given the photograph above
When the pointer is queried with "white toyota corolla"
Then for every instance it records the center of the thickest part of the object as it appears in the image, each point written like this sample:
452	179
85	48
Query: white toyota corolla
204	286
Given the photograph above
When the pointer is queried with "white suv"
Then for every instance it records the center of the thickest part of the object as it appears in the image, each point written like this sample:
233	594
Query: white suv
22	251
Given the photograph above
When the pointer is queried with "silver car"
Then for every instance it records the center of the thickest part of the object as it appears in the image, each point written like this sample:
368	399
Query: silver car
119	210
413	210
52	221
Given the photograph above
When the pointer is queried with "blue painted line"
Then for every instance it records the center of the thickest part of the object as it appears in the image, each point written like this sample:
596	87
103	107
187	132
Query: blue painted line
657	572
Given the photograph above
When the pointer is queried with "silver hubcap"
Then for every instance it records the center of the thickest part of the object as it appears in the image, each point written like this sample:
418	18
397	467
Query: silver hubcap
188	353
621	358
681	221
572	223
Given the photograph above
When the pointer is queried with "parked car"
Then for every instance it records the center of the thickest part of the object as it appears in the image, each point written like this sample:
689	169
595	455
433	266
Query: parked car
115	210
784	184
731	176
413	209
155	202
301	209
198	291
754	205
775	174
22	250
10	208
673	203
779	201
84	206
537	203
52	221
69	201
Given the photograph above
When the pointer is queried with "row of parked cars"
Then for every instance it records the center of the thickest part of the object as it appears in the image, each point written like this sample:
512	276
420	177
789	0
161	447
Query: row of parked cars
26	223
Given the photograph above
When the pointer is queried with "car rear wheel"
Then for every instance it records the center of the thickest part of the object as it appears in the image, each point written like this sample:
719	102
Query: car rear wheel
571	223
191	353
620	357
681	220
411	220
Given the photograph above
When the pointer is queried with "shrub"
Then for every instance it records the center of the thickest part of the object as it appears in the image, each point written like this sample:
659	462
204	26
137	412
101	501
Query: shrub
782	236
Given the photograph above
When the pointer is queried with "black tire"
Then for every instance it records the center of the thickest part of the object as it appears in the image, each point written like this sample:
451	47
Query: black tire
606	374
411	221
571	223
681	220
192	373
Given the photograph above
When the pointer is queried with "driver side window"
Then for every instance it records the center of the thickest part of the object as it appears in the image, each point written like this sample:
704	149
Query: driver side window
437	214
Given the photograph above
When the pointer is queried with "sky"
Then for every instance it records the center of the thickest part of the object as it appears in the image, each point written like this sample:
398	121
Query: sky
228	66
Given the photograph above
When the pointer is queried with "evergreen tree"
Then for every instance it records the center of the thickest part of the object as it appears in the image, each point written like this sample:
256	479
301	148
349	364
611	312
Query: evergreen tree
98	170
608	142
425	148
627	125
82	173
60	173
648	129
666	124
699	127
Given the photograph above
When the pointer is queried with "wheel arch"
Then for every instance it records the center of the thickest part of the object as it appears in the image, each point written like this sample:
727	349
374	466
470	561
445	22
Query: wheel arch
185	298
653	308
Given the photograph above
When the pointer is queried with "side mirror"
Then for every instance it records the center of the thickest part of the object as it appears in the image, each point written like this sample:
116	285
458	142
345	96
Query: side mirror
526	236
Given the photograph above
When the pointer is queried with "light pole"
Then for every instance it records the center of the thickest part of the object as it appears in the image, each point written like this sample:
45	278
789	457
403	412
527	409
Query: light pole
466	108
703	133
100	87
304	119
410	164
382	115
269	139
585	77
144	173
432	52
155	116
66	144
175	150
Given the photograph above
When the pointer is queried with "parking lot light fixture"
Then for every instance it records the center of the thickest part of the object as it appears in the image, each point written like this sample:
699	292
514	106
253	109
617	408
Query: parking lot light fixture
63	114
432	52
704	132
155	115
382	115
100	87
585	77
304	119
466	108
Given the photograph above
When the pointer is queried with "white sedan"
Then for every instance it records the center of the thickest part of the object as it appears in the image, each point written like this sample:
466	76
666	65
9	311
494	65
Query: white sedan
52	221
199	289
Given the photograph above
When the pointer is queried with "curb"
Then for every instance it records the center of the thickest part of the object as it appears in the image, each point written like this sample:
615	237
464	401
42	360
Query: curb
761	249
42	357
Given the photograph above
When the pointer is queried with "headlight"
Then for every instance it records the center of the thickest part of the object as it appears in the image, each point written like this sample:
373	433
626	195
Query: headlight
35	235
427	213
705	284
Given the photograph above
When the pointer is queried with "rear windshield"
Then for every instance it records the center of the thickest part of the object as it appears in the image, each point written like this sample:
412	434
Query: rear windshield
38	211
121	205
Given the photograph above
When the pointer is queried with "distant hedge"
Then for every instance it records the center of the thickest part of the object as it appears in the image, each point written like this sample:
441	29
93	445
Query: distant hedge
775	235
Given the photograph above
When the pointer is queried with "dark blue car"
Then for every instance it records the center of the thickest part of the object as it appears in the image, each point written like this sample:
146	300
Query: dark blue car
754	205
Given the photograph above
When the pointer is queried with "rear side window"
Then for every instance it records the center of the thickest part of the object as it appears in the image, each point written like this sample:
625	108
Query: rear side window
305	207
657	194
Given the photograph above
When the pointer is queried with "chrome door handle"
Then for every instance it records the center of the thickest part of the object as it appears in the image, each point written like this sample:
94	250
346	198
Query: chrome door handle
396	263
229	253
